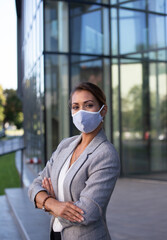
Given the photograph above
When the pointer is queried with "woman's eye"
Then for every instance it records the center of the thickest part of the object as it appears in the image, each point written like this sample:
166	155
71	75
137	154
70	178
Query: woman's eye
75	107
89	106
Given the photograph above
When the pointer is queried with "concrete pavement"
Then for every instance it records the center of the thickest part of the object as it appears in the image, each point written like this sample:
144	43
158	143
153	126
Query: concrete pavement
137	211
8	229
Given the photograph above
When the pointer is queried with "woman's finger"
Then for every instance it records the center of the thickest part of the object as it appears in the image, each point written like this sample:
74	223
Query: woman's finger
51	187
46	184
71	211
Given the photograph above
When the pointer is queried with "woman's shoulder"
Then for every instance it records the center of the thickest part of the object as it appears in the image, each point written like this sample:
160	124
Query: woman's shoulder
106	148
106	145
65	143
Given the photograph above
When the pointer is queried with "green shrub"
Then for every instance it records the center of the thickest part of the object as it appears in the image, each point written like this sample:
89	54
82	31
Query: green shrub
9	177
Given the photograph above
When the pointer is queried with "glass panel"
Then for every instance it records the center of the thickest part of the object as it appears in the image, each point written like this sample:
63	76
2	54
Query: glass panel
38	1
41	27
107	90
135	117
114	32
115	102
157	6
158	55
86	68
95	70
56	97
95	1
162	55
158	96
113	1
137	55
34	45
89	29
56	26
33	112
132	31
157	31
138	4
38	26
34	7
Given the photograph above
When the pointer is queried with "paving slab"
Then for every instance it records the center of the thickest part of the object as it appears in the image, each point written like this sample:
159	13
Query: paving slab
8	229
33	223
138	210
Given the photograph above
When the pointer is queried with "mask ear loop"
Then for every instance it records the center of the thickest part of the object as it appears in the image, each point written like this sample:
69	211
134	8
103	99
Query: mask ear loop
101	108
100	111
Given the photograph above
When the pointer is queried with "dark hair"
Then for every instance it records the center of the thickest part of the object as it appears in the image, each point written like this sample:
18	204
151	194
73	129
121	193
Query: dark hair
94	89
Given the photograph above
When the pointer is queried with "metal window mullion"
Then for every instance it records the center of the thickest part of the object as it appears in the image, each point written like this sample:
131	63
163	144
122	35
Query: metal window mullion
110	80
69	62
119	92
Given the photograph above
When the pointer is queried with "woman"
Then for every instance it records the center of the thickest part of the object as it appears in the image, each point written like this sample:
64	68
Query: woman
78	180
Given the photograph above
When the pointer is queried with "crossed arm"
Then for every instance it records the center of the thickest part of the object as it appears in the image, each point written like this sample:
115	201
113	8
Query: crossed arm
65	210
103	173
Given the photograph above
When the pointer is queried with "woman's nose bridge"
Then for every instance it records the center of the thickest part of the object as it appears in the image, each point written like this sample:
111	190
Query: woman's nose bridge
82	107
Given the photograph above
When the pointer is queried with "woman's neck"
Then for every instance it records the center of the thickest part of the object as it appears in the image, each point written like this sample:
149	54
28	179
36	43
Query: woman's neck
87	137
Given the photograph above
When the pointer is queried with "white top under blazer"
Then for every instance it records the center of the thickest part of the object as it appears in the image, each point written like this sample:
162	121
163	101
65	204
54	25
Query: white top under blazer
57	226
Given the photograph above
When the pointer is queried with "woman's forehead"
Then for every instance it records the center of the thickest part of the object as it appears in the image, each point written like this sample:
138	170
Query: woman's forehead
82	96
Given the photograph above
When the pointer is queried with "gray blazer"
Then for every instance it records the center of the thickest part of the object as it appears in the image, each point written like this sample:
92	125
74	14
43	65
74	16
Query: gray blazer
89	183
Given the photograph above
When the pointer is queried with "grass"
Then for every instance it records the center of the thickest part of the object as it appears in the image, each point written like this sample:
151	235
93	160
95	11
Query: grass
9	177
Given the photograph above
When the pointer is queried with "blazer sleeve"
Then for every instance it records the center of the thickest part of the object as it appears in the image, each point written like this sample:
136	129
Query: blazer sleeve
36	185
103	173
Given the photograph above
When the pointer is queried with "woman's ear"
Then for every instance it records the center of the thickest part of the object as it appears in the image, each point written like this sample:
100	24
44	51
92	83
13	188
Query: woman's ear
104	111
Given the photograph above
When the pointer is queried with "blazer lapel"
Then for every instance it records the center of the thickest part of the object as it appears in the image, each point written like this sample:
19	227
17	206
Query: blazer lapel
62	157
97	140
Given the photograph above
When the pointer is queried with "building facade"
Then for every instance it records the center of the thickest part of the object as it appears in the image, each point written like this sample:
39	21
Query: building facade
119	45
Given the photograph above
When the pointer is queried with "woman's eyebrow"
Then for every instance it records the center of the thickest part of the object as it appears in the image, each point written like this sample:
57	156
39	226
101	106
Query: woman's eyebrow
89	101
74	103
84	102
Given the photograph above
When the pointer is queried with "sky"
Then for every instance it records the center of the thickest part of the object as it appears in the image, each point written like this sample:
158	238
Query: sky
8	46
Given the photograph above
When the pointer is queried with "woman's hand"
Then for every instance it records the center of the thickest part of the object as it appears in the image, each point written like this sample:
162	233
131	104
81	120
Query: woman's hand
47	184
65	210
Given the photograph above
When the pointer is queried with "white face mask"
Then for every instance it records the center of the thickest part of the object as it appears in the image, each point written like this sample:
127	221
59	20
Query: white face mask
87	121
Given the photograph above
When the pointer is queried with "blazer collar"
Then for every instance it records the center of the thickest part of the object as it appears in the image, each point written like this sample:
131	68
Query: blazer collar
97	140
65	153
61	158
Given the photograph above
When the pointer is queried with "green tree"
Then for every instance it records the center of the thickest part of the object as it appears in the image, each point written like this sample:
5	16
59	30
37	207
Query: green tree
132	109
13	108
2	103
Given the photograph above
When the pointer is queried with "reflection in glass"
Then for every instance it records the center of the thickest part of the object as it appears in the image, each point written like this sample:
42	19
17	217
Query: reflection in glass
137	4
56	26
132	31
95	70
95	1
86	69
158	97
89	29
114	34
115	103
157	29
32	74
33	115
113	1
56	100
135	122
157	6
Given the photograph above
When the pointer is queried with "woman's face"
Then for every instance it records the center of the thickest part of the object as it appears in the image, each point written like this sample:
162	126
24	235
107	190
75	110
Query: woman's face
84	100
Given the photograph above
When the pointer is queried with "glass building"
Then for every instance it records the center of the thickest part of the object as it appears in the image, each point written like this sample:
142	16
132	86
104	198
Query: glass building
119	45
